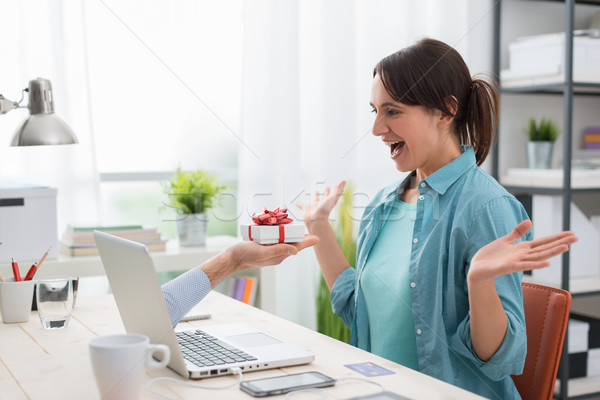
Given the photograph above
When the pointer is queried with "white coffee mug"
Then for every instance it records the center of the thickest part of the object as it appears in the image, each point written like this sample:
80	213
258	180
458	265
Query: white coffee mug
119	362
15	300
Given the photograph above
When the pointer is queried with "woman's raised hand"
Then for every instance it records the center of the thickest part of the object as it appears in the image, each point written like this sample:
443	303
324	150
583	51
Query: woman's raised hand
503	256
321	207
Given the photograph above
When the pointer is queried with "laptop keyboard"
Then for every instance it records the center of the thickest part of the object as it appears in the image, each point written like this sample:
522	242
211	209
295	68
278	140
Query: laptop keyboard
205	350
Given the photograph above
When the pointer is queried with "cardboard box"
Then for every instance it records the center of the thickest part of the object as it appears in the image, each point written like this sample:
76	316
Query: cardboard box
270	234
28	224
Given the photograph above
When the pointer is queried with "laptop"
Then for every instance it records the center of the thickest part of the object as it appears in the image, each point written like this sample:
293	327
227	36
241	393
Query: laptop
195	352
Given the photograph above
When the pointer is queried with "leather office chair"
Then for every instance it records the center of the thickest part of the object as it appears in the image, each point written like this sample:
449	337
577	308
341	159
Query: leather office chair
546	316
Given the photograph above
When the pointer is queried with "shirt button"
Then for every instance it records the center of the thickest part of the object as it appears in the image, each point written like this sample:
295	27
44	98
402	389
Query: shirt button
419	332
412	284
415	240
423	184
421	197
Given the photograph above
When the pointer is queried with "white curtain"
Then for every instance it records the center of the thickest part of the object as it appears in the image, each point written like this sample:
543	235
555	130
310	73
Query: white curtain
47	39
306	121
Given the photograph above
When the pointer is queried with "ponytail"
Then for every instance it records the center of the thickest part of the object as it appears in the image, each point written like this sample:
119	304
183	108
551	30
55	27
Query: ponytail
481	122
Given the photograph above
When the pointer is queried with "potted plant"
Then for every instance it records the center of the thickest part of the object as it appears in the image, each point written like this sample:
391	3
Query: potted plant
192	194
541	142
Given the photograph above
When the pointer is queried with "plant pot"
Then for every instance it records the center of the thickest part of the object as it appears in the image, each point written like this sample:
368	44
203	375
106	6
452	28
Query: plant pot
191	230
539	154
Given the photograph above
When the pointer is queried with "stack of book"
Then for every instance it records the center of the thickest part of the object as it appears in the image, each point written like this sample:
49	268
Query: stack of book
79	240
592	137
243	288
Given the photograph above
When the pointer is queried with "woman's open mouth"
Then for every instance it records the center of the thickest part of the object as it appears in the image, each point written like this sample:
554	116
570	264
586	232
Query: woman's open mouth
396	148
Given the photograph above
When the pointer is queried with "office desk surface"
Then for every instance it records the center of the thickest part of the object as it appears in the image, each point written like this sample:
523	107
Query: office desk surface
54	364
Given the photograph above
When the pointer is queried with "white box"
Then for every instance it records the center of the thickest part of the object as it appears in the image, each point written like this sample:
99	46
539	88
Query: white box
593	363
28	224
544	56
270	234
585	253
578	336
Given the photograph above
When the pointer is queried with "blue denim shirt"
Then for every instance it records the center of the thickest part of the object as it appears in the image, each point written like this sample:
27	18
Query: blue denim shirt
459	210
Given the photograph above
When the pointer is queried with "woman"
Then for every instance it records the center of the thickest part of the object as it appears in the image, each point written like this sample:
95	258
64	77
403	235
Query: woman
437	285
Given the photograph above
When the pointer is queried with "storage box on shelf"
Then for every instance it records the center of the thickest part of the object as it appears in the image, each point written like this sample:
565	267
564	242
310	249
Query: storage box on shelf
28	224
540	59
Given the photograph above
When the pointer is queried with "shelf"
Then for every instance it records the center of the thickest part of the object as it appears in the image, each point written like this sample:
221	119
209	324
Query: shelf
577	286
581	387
174	258
554	85
550	181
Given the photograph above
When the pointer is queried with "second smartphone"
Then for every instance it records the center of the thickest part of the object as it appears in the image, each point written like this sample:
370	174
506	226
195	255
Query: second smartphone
286	383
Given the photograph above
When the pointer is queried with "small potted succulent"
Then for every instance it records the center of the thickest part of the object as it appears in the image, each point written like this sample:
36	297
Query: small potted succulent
191	194
541	142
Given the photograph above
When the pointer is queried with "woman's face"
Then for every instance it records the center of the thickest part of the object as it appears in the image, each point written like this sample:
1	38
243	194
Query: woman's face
417	138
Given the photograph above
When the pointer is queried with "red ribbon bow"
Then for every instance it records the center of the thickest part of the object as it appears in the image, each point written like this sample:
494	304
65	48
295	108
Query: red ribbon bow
276	217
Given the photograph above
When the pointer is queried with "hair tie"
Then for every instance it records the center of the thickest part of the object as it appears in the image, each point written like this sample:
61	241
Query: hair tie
474	86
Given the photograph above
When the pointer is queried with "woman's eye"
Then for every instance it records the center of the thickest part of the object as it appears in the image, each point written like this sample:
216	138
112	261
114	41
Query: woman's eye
374	111
391	111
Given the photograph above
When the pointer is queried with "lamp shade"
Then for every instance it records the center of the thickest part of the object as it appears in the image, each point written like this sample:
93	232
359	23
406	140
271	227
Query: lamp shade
42	127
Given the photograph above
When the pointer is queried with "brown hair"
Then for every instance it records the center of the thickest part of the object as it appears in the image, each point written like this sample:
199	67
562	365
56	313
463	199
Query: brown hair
432	74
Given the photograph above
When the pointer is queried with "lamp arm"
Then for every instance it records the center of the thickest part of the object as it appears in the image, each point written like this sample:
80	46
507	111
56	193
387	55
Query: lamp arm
7	105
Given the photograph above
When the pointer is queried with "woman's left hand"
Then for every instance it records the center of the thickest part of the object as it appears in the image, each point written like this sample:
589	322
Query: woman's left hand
503	256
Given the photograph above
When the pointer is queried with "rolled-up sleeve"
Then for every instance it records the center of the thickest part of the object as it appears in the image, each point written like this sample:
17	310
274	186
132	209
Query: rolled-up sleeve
494	220
342	295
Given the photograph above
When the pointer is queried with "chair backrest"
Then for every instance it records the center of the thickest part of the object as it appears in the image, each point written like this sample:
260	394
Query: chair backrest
546	316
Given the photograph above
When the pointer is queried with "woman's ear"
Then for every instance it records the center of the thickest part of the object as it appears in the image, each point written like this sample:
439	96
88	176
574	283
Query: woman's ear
452	106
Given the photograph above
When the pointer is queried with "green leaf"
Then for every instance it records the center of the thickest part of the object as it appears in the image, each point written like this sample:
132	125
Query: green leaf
547	130
193	192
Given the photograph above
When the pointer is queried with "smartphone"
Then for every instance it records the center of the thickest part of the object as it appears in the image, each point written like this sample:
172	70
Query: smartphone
285	384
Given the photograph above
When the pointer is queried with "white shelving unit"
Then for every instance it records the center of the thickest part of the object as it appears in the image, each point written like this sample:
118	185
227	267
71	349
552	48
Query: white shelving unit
564	182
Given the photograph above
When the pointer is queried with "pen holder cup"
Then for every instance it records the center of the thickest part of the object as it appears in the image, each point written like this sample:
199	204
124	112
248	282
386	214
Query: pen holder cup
75	284
15	300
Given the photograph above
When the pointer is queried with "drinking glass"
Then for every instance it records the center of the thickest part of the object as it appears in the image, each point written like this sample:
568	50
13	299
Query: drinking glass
54	301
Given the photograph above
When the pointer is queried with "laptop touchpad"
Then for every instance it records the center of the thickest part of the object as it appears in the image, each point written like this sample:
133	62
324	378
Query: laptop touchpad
253	339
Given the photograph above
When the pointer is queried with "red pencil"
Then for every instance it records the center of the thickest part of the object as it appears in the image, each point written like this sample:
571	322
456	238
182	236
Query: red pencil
15	268
31	272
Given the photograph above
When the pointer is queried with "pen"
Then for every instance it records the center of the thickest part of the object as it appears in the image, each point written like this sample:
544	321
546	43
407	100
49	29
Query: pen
15	268
31	272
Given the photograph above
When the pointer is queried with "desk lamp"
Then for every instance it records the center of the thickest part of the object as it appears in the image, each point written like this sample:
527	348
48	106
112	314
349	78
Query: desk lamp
42	127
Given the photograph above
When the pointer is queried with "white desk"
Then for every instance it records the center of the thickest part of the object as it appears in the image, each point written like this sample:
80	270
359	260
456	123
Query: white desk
175	258
46	365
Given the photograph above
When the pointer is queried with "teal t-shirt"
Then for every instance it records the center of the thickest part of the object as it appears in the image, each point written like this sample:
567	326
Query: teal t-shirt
386	287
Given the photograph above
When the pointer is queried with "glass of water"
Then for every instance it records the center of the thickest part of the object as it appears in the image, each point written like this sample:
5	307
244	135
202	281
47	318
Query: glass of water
54	301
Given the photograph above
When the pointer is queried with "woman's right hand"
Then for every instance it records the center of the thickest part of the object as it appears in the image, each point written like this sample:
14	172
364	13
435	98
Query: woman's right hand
320	208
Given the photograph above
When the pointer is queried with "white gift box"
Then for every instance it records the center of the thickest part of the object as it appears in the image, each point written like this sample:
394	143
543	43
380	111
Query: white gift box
270	234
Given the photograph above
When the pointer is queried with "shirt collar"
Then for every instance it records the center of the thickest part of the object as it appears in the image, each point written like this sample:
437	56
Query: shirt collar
444	177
